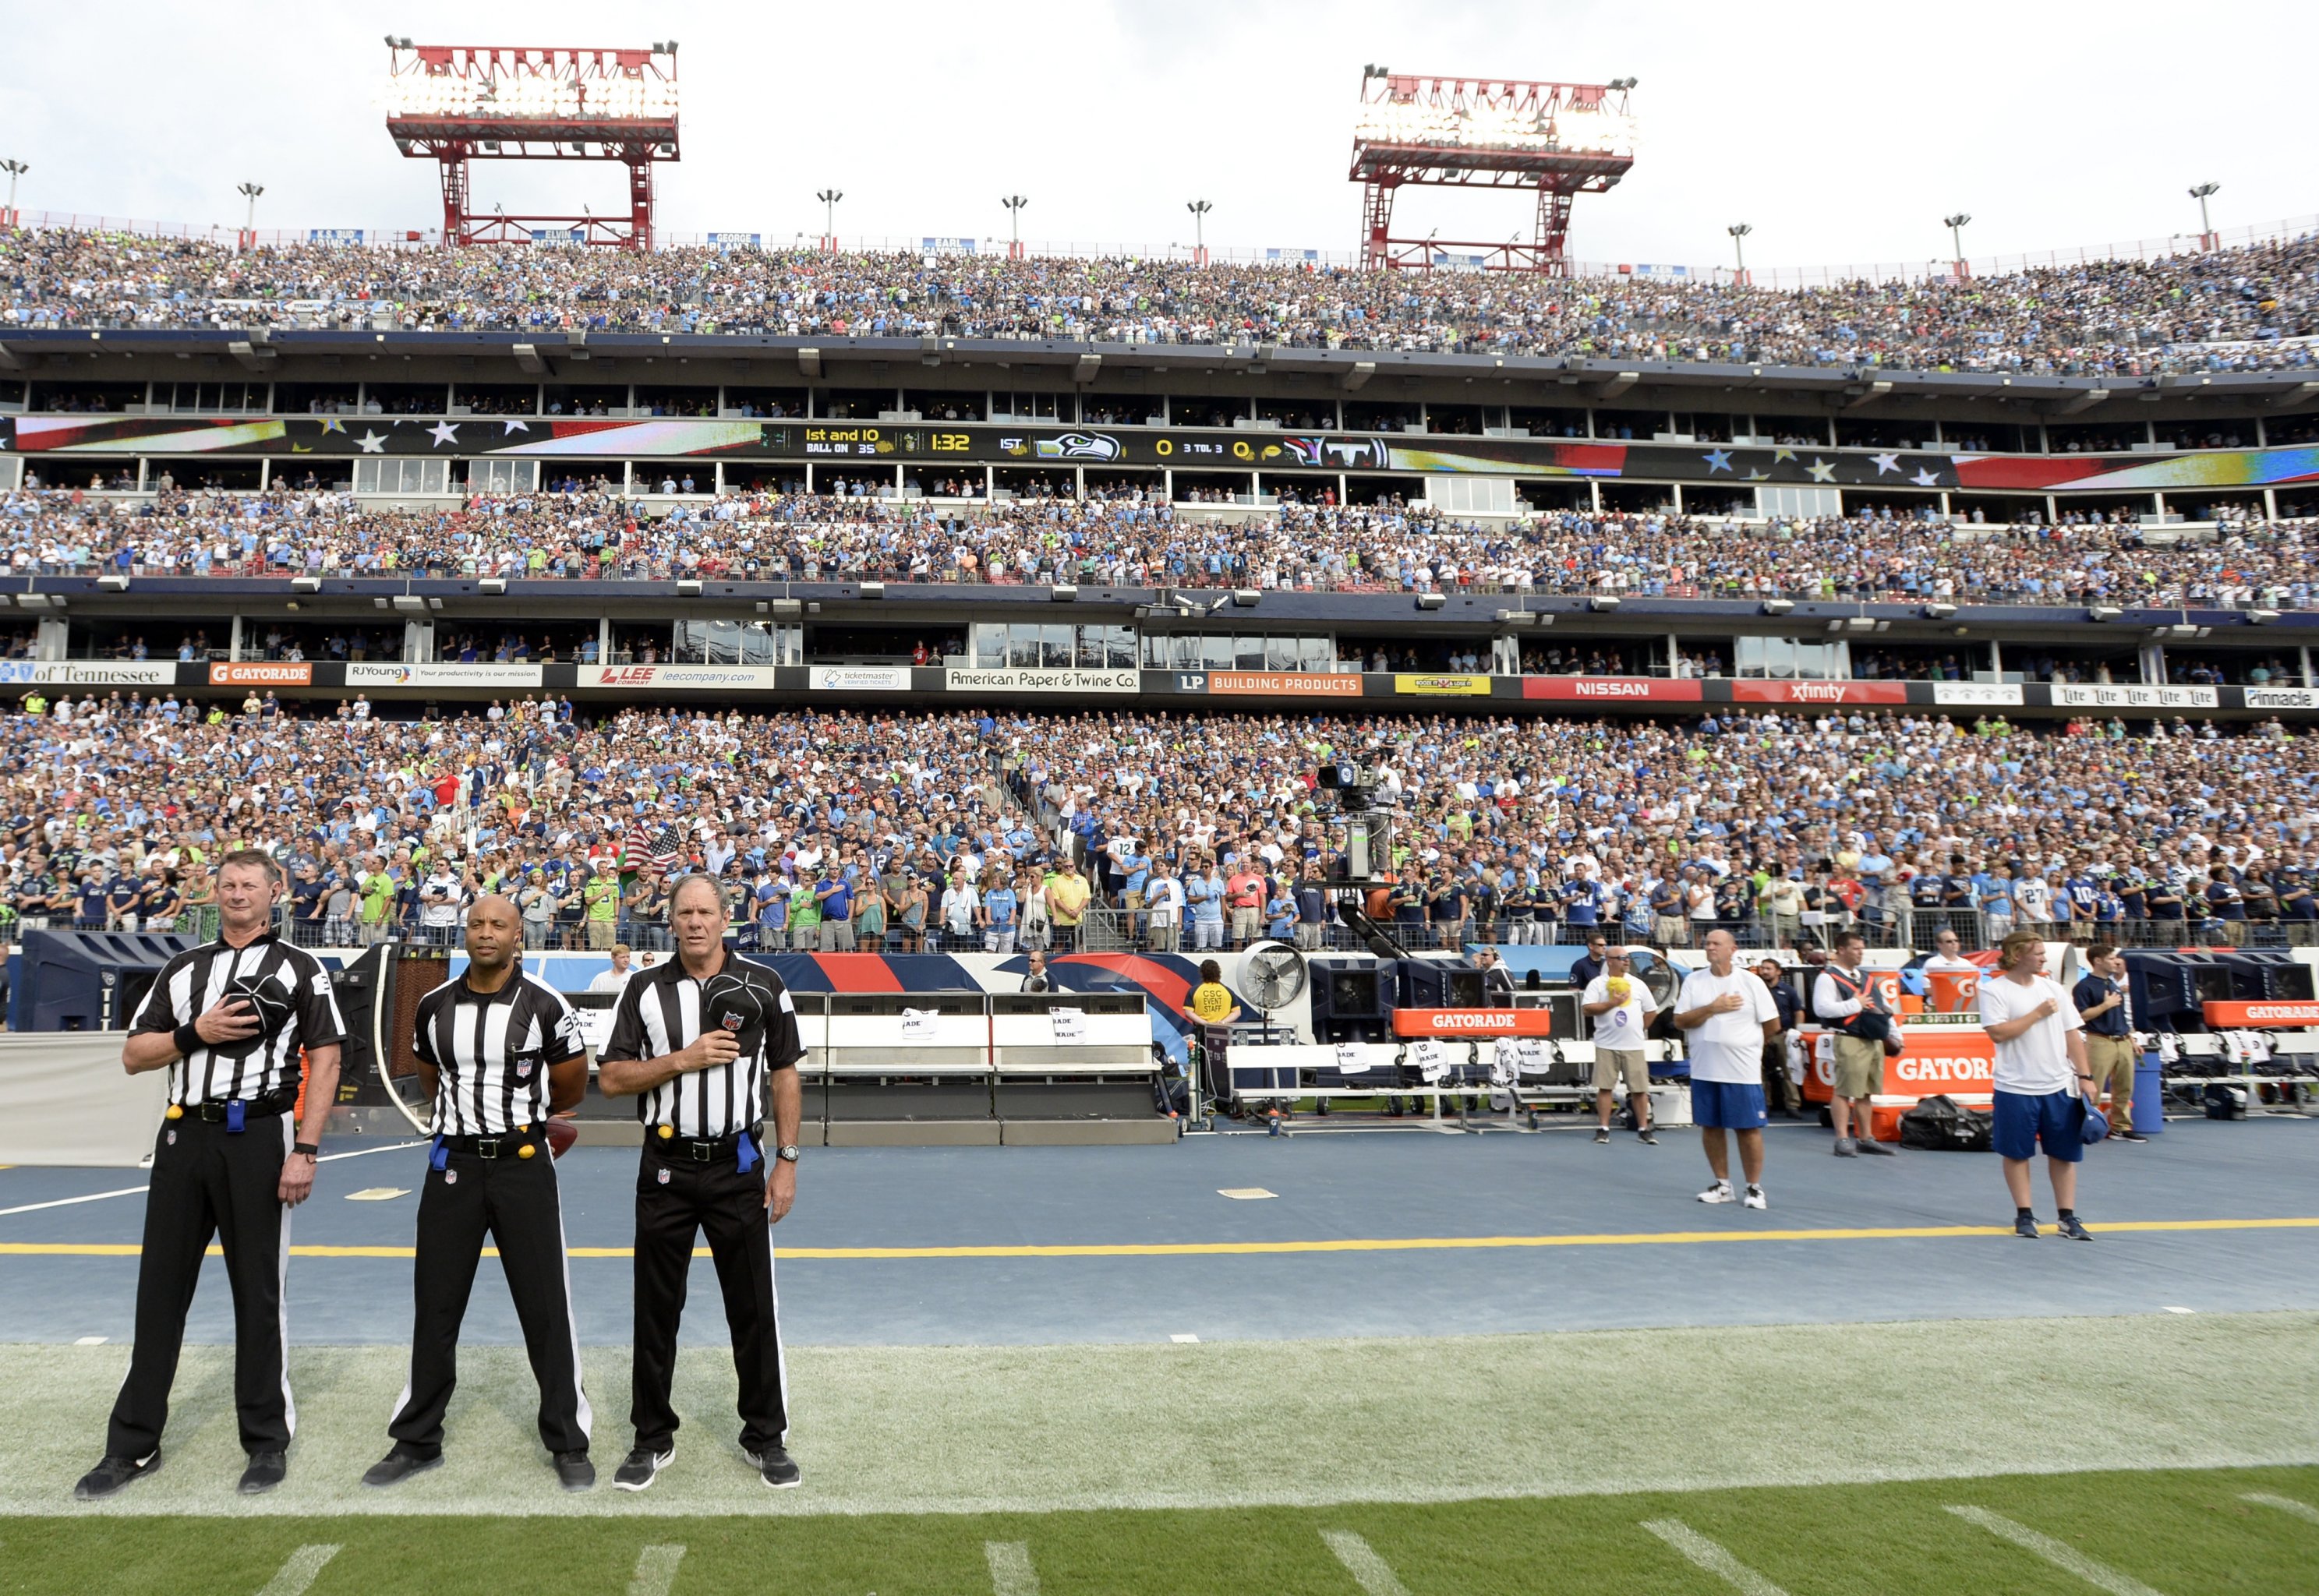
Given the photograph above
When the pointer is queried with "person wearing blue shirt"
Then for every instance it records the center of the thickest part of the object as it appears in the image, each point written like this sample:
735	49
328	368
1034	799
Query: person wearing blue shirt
999	904
89	913
835	894
2296	901
772	912
1578	900
2224	904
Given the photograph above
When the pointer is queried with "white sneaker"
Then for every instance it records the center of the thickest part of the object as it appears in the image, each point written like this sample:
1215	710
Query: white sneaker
1721	1192
1754	1199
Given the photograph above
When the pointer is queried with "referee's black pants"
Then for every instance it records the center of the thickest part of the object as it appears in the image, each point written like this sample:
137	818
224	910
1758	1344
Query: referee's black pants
207	1181
677	1197
514	1200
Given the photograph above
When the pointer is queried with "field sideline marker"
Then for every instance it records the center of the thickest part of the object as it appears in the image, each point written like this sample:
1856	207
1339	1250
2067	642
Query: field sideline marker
2285	1504
1712	1556
133	1191
656	1571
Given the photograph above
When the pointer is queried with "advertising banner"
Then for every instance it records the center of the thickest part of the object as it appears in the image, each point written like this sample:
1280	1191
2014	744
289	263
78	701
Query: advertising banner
688	678
91	672
2124	695
1991	695
261	673
450	673
1266	684
1956	1059
2235	1016
1819	692
859	679
1473	1022
1463	687
1039	680
2282	697
1612	689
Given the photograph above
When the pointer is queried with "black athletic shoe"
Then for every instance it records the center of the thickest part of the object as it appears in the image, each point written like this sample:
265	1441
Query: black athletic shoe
266	1471
773	1463
641	1468
2072	1231
2025	1227
1875	1149
110	1475
574	1472
399	1465
1647	1137
1602	1135
2127	1136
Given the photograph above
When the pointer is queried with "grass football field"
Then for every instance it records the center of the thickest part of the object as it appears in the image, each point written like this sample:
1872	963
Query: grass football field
2176	1531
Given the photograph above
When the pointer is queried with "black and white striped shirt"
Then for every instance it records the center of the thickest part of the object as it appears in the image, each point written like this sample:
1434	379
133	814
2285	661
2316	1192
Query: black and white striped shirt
491	1053
287	986
661	1012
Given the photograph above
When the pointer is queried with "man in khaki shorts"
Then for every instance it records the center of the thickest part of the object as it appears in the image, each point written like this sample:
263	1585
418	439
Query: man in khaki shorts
1843	999
2100	999
1620	1007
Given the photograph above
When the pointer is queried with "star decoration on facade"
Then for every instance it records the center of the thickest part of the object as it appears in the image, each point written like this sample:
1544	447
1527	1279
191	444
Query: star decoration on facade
444	432
332	424
1717	460
1926	479
517	426
1821	470
1884	462
1779	455
371	443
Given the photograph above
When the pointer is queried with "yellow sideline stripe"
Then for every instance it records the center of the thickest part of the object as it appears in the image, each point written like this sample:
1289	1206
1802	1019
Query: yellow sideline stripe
1233	1249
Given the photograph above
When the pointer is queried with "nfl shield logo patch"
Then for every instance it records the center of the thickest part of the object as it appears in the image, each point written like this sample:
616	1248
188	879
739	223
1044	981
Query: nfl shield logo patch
731	1022
523	1069
173	1139
663	1177
450	1178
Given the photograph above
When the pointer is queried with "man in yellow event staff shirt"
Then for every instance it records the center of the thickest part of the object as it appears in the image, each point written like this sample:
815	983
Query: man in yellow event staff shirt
1212	1008
1067	899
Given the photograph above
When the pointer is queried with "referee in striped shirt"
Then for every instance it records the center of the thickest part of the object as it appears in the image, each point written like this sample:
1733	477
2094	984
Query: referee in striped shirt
702	1042
228	1020
499	1051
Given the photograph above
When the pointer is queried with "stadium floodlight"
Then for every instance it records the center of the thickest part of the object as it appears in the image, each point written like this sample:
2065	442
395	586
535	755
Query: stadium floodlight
1200	209
1015	203
829	198
1739	231
1955	222
15	169
2202	193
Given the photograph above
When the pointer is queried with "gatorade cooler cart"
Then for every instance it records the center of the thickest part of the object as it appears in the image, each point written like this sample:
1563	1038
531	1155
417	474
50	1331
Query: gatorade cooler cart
1944	1053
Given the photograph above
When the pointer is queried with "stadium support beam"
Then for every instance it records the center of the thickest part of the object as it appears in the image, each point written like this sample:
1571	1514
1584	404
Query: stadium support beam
2084	402
1614	386
1084	371
256	351
11	361
810	362
1358	376
526	359
2297	394
1868	394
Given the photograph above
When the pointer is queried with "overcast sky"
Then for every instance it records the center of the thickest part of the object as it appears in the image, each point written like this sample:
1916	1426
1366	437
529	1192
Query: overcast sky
1842	133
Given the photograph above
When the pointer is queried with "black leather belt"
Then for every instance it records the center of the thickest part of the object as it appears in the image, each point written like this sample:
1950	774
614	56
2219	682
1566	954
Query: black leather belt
502	1145
690	1149
213	1114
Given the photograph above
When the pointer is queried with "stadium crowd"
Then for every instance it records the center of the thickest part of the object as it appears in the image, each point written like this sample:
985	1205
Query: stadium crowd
981	830
2241	308
1126	542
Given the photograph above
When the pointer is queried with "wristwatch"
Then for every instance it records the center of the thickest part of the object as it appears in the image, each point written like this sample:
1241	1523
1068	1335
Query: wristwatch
312	1149
788	1155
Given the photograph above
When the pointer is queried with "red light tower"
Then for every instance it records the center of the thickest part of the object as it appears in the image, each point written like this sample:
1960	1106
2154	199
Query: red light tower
1560	138
452	104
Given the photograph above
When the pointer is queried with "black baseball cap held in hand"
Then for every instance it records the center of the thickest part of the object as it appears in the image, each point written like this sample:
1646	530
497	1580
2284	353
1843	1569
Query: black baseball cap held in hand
731	1002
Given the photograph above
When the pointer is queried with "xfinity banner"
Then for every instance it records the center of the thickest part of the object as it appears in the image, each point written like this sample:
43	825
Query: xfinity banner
1032	680
859	679
451	673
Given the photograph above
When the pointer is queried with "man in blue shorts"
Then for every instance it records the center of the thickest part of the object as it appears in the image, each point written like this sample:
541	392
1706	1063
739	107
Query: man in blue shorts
2044	1089
1728	1017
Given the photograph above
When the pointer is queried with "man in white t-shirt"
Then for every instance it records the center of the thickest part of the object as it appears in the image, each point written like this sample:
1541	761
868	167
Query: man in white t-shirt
2044	1089
1620	1007
1726	1017
613	979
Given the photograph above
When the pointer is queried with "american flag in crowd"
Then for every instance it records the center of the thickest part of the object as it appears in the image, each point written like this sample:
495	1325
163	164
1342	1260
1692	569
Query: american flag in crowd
653	843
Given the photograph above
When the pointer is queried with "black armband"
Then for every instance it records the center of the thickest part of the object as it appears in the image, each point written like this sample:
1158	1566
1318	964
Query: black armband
187	1039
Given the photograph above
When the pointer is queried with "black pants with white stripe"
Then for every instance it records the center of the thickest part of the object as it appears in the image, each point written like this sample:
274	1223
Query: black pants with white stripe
514	1200
208	1183
677	1198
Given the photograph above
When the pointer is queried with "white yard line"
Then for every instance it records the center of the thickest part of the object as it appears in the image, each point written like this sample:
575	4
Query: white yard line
2285	1504
1011	1573
1713	1556
2060	1554
656	1571
1360	1560
296	1576
138	1191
